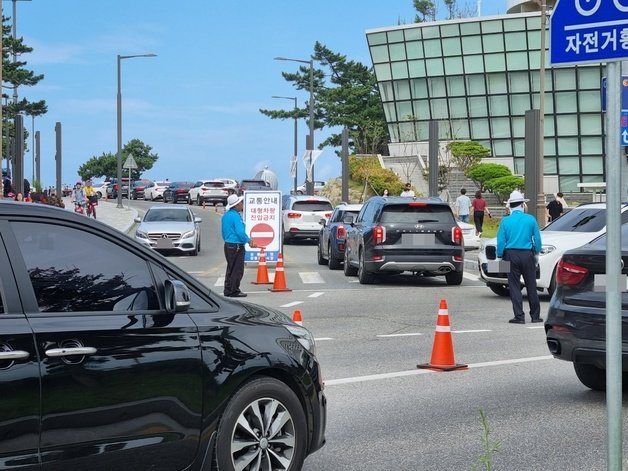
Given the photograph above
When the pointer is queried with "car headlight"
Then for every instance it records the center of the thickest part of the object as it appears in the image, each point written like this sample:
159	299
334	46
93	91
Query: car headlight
303	336
141	235
188	234
545	249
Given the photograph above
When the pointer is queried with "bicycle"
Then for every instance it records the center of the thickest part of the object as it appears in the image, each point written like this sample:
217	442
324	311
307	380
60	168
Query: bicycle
92	202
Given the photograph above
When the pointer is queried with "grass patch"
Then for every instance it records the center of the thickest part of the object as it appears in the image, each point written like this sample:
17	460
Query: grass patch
489	228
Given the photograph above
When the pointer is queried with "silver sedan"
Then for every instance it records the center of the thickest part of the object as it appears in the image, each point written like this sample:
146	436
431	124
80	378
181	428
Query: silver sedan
170	227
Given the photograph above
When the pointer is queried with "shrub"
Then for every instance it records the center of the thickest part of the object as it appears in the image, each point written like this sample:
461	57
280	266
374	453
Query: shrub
503	186
367	170
482	173
467	154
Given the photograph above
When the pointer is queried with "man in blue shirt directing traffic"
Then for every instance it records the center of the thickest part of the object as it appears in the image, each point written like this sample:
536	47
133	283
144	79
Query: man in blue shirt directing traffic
234	236
519	243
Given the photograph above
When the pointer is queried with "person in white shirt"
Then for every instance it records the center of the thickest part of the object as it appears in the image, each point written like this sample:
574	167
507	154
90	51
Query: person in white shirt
463	206
407	191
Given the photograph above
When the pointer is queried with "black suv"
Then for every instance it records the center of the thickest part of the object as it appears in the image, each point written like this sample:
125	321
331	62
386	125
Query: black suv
253	185
396	234
114	358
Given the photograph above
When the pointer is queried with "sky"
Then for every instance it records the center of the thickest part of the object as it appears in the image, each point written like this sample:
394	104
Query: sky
197	102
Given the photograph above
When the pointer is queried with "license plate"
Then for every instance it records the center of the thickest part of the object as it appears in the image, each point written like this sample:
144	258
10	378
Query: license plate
418	239
163	244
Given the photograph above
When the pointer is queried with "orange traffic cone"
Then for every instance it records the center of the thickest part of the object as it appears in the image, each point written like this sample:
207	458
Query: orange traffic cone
443	348
296	317
279	283
262	270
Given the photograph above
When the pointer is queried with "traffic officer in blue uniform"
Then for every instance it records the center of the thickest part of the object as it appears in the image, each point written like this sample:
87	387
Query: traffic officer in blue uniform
519	243
234	237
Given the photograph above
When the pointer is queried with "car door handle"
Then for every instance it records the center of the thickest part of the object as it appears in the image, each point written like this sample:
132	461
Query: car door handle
14	355
64	352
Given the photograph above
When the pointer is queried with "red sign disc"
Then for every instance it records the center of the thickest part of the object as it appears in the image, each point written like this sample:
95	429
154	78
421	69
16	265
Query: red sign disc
262	234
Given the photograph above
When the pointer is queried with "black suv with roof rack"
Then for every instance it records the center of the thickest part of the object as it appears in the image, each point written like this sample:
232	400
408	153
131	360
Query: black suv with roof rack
396	234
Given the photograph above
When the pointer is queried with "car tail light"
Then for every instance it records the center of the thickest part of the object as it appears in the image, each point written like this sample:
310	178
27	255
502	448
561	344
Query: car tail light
417	203
327	215
181	190
203	188
568	274
341	232
294	215
456	235
115	187
379	234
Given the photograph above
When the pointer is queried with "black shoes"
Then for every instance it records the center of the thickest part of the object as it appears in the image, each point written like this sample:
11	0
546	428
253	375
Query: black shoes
514	320
540	319
237	295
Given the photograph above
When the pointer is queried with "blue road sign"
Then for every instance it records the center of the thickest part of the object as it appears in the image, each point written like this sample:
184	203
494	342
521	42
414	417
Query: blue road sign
588	31
624	129
624	93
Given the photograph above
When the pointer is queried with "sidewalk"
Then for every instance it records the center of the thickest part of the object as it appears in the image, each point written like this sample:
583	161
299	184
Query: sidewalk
108	213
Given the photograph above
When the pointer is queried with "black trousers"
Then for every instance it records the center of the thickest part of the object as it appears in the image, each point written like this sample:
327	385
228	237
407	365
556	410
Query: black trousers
234	254
478	219
522	263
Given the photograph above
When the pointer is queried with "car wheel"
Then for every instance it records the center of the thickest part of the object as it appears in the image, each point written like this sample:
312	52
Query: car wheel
286	239
266	414
454	278
364	277
319	253
99	194
348	269
198	201
334	263
591	376
499	290
194	252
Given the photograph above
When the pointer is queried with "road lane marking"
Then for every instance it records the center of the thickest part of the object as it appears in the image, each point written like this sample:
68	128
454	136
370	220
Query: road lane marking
308	277
316	295
536	327
469	276
318	339
293	303
399	335
470	331
400	374
220	281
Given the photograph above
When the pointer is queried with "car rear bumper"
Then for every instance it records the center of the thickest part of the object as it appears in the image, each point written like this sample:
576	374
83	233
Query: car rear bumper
182	245
213	199
296	233
436	265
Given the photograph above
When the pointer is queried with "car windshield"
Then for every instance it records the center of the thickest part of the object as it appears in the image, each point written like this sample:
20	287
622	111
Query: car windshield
312	206
412	214
579	220
340	215
600	242
167	214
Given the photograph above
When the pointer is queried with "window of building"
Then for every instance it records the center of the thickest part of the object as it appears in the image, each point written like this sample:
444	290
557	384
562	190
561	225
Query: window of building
418	88
566	102
453	65
497	83
567	146
549	165
455	86
412	34
534	22
474	64
382	71
450	30
500	128
492	26
518	82
514	24
402	89
550	128
569	165
72	273
458	108
519	103
564	79
439	108
414	50
517	61
397	52
590	124
380	54
472	45
395	36
590	101
567	125
390	111
549	146
386	91
399	70
516	41
404	110
434	67
475	84
436	86
593	165
460	128
534	40
493	43
478	107
569	183
422	130
416	68
432	48
393	130
518	126
469	29
502	147
589	77
376	38
591	145
519	148
495	62
421	109
407	132
451	47
479	129
430	32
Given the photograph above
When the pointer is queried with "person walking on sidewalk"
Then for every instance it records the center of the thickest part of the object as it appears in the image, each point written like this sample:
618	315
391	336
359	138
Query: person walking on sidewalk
480	206
234	237
519	243
408	192
463	206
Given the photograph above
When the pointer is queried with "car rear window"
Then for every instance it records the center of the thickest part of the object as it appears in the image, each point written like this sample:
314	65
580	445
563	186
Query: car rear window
340	215
414	214
579	220
214	184
312	206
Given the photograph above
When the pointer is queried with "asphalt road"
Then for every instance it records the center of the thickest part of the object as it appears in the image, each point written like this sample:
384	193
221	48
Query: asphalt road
384	413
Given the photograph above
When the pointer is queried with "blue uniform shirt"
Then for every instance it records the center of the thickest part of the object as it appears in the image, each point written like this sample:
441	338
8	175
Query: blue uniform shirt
233	230
518	231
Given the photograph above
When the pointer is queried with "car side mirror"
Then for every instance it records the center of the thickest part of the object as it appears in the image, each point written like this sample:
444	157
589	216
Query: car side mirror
349	219
138	220
177	296
322	221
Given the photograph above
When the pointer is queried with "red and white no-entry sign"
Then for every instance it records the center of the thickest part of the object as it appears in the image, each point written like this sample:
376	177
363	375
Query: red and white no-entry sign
262	234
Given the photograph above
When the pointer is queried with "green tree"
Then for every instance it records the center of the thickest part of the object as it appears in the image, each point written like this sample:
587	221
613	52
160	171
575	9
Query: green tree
482	173
345	94
106	165
426	10
503	186
466	154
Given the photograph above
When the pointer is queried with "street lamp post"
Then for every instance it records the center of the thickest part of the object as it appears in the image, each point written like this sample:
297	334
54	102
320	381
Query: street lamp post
309	179
295	136
119	132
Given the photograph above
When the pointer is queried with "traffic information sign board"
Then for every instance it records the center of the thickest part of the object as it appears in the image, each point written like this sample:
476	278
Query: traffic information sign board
262	220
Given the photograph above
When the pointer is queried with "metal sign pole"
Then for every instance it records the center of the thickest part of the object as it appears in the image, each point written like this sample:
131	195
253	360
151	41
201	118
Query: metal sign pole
613	270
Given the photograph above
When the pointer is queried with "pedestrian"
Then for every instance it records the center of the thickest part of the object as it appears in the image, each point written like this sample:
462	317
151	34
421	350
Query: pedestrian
234	237
561	200
554	207
407	191
463	206
6	186
480	206
519	243
385	192
19	197
27	189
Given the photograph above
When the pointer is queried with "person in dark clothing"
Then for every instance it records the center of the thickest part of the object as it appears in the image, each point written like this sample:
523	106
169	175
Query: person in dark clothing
555	208
27	188
7	188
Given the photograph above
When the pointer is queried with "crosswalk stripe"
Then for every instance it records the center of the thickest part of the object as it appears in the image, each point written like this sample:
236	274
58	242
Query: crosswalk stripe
220	281
316	295
308	277
293	303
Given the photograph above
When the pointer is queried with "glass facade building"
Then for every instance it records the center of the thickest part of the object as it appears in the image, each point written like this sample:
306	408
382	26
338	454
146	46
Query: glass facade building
477	77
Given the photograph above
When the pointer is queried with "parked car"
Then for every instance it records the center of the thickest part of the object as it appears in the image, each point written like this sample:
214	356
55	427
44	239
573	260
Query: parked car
394	234
112	189
177	191
138	187
115	358
208	191
318	186
155	190
101	188
253	185
333	235
573	229
167	227
576	319
471	241
230	184
300	216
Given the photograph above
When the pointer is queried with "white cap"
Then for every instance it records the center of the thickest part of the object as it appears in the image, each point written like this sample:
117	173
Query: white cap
517	197
233	200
